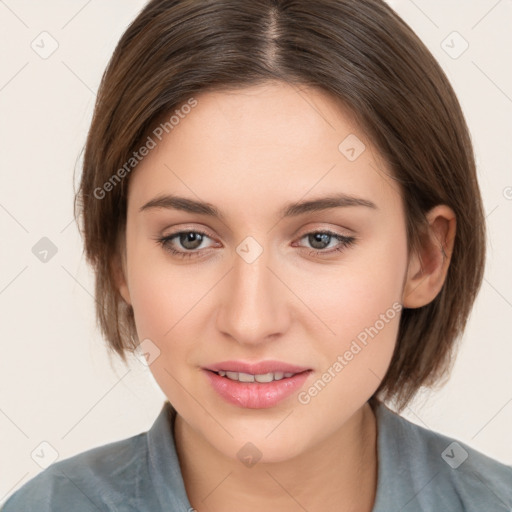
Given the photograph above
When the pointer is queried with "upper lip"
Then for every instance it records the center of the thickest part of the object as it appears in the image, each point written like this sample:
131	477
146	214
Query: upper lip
259	368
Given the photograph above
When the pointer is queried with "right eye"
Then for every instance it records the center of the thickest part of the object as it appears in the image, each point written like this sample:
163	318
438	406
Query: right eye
190	241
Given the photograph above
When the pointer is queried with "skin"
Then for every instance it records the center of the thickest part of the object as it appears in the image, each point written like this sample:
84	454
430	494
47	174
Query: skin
248	153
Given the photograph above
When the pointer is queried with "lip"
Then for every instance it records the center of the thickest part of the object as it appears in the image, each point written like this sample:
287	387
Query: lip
259	368
256	395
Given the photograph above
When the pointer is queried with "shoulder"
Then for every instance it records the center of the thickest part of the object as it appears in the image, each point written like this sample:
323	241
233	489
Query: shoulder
440	470
98	479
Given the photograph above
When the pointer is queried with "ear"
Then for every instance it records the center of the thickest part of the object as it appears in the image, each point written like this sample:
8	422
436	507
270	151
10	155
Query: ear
428	265
118	266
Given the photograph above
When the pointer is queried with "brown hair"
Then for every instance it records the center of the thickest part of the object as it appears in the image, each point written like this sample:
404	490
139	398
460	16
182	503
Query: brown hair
357	51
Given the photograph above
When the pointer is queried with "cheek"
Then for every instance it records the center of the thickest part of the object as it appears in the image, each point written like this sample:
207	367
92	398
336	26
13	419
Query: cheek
158	291
353	295
153	304
360	303
172	304
165	301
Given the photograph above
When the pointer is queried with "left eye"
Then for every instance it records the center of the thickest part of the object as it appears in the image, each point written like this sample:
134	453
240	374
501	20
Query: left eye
320	240
191	241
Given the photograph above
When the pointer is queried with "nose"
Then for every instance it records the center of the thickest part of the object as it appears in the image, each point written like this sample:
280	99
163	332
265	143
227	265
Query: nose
253	310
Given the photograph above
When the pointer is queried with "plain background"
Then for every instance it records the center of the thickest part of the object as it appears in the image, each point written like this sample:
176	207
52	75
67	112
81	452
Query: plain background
57	384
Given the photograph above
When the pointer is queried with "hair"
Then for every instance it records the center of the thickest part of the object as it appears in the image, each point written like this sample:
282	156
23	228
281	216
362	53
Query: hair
359	52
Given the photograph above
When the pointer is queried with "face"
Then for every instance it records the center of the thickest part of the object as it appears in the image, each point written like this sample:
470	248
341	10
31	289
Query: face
314	291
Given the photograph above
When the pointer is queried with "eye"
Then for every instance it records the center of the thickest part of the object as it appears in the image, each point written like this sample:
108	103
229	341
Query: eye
320	240
191	241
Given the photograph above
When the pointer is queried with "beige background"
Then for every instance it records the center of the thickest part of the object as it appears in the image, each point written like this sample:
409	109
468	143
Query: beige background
56	383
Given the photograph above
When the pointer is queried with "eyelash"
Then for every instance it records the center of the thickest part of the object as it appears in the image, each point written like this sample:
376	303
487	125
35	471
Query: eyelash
345	242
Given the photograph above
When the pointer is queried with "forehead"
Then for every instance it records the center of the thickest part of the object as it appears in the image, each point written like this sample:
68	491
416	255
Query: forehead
259	144
272	115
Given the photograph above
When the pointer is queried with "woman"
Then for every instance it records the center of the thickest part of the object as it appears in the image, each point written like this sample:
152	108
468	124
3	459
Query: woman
280	203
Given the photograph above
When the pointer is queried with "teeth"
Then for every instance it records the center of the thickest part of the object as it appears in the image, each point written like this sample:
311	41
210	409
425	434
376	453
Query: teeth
245	377
266	377
248	377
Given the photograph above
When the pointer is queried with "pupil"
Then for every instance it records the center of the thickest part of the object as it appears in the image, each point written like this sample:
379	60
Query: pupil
193	238
322	238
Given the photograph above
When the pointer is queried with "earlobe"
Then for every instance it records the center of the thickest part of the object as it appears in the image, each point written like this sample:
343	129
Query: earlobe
428	265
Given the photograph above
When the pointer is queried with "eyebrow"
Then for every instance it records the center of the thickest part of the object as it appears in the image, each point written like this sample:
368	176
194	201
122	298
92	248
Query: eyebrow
290	210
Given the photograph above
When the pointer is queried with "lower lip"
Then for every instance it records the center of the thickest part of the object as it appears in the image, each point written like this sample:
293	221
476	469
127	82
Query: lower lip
256	395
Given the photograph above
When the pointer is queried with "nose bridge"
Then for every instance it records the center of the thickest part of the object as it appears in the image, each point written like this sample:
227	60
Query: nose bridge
254	303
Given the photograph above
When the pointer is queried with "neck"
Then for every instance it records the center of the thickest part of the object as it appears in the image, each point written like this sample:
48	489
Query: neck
337	474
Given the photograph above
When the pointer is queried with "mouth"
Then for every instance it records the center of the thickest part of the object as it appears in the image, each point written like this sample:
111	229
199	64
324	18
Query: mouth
259	377
256	369
257	385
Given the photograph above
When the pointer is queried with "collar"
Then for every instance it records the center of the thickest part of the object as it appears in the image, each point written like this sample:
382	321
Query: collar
164	468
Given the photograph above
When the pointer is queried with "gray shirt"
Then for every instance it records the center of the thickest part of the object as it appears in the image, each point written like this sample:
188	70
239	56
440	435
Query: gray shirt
418	470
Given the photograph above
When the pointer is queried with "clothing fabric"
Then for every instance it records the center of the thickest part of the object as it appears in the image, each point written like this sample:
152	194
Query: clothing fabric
418	470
